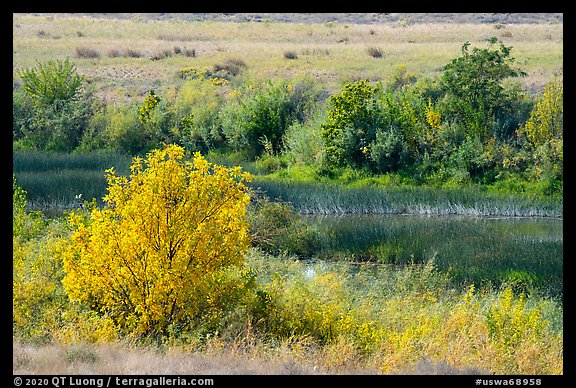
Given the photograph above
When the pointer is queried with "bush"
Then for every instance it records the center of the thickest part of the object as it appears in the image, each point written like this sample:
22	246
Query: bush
388	151
161	253
542	136
276	227
290	55
351	123
22	112
123	132
56	128
257	115
303	143
53	83
230	68
473	90
86	52
196	111
58	112
375	52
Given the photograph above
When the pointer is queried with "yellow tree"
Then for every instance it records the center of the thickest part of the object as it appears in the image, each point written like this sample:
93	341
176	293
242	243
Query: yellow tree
158	253
544	131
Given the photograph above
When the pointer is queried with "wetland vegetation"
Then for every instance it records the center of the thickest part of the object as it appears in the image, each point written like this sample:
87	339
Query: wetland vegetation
405	185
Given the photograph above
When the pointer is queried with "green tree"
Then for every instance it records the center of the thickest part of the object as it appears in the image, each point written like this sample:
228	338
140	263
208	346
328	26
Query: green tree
473	89
351	123
53	83
59	111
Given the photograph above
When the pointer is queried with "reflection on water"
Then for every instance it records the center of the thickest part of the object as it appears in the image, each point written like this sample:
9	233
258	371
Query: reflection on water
527	251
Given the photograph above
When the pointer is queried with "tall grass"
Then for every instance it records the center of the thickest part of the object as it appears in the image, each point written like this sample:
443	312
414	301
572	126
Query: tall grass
57	179
524	253
37	161
326	198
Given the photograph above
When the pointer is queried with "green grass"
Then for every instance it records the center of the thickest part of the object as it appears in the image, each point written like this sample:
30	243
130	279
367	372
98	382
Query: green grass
36	161
527	254
333	198
56	179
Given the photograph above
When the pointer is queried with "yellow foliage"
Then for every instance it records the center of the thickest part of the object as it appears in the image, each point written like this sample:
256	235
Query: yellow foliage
149	258
433	118
546	119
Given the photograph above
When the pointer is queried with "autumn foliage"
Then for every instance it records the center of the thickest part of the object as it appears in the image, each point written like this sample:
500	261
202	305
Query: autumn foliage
159	254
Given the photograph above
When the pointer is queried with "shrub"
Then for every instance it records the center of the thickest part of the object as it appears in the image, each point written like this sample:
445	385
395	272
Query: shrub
401	76
53	83
22	111
388	151
263	112
133	53
351	123
546	119
375	52
196	108
303	142
159	254
472	83
25	224
86	52
57	112
276	227
190	52
113	53
290	55
161	54
231	67
123	131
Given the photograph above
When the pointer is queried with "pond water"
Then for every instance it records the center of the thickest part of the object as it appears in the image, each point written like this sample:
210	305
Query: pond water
524	252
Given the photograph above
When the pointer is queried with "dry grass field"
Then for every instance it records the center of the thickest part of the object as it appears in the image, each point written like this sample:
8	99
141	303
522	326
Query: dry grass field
117	54
114	359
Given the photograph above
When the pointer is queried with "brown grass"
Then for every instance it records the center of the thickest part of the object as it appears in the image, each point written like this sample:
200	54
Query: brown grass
333	52
290	358
123	360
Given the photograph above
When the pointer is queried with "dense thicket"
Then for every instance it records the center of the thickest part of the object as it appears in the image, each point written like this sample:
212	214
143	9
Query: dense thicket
472	124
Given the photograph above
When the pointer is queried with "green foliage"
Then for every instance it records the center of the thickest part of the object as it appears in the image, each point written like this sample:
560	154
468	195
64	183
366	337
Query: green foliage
470	160
303	141
254	114
196	111
57	112
401	76
261	113
122	130
473	124
150	102
388	151
22	111
25	224
53	83
276	227
351	124
473	86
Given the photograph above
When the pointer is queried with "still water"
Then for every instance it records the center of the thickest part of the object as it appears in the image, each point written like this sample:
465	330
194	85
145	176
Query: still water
526	252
